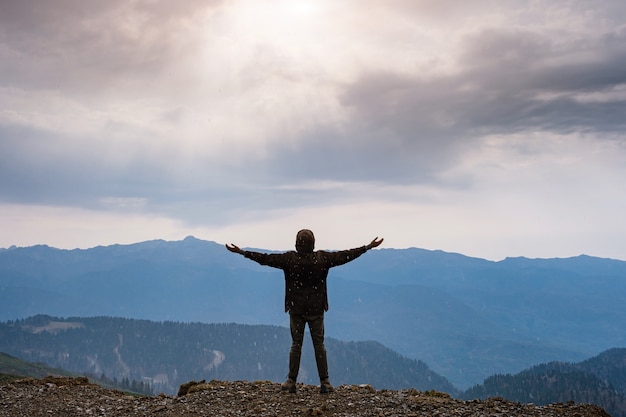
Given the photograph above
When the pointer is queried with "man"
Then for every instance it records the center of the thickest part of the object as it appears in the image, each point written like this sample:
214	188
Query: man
306	297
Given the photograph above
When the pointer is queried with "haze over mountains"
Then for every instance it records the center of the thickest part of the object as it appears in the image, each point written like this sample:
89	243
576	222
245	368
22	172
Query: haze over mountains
466	318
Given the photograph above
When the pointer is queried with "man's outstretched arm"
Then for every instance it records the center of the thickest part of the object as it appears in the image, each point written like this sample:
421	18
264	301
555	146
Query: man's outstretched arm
344	256
234	248
374	243
275	260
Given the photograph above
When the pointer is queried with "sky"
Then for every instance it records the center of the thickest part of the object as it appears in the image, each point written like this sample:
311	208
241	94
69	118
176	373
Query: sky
489	128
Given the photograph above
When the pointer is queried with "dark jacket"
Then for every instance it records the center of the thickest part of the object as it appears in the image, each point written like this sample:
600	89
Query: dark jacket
305	275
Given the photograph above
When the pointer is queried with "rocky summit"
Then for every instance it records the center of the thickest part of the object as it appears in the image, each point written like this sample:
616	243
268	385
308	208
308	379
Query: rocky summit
54	396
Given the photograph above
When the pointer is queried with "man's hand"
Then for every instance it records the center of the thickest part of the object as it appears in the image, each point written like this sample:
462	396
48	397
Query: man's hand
374	243
234	248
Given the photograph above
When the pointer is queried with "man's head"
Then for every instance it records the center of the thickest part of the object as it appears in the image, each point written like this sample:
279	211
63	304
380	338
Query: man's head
305	241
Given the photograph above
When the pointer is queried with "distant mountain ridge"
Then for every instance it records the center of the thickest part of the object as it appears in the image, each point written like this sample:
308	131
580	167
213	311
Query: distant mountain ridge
467	318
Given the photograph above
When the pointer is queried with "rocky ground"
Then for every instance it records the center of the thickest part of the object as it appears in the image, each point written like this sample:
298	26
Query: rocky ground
54	396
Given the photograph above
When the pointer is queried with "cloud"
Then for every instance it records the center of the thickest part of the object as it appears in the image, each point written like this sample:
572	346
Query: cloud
412	128
94	47
225	112
508	81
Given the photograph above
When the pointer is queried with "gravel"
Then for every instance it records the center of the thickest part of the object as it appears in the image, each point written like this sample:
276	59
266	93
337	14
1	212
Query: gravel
54	396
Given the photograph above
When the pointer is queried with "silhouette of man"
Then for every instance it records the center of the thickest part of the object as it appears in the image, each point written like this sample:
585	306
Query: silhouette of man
306	297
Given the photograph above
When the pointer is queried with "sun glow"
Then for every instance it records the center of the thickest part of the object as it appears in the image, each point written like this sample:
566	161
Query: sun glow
301	8
284	28
279	14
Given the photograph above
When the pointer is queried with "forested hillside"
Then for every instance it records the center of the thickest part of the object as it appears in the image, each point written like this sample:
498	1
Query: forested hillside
12	368
15	369
599	380
163	355
167	354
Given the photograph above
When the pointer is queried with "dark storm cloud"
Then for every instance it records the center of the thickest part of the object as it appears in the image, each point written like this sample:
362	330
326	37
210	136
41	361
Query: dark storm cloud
507	81
412	128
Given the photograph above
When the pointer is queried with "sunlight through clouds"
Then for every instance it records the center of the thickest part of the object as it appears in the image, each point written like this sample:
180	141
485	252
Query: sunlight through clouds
489	128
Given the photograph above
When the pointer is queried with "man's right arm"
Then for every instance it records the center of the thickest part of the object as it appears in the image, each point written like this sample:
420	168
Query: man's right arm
374	243
275	260
345	256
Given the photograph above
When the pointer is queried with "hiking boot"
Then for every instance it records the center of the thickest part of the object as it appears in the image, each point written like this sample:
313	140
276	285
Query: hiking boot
289	385
326	387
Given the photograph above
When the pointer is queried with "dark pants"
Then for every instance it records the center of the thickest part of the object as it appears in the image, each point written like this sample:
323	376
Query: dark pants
297	323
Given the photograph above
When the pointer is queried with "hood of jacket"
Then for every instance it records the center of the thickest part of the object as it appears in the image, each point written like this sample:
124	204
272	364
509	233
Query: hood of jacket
305	241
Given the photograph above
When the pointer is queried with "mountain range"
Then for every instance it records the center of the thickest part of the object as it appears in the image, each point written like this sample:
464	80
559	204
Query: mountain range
466	318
